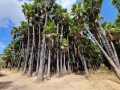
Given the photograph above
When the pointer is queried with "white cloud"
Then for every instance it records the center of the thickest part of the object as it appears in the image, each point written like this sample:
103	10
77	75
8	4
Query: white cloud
66	3
10	10
2	47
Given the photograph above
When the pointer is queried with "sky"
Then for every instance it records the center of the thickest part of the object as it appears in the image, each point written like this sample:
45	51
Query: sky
11	15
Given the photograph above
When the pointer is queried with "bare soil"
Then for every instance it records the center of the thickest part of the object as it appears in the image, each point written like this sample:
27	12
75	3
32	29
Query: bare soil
12	80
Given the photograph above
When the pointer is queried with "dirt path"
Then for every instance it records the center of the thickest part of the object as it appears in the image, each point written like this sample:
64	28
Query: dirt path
14	81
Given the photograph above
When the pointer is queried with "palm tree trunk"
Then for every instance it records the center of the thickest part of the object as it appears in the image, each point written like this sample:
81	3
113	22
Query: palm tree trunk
68	56
30	71
103	42
19	62
61	67
49	61
58	73
85	67
27	52
38	59
117	71
13	57
108	45
117	47
40	72
69	66
116	56
44	62
105	45
64	65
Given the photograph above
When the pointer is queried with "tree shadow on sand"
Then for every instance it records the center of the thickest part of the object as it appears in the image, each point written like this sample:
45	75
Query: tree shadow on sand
2	75
80	73
5	85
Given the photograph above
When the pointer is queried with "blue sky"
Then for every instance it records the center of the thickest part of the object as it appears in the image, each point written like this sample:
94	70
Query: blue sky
11	15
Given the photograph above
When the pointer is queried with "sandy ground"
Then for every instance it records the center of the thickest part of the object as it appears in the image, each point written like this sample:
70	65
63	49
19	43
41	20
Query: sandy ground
11	80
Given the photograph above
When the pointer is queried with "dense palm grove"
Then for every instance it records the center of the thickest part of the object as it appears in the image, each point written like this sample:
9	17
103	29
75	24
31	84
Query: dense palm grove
55	42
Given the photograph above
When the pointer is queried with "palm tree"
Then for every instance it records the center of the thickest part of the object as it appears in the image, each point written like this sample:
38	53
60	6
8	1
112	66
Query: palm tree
50	33
56	17
32	13
104	36
14	33
108	27
106	55
95	12
64	17
64	48
22	35
40	11
26	10
54	42
47	8
8	56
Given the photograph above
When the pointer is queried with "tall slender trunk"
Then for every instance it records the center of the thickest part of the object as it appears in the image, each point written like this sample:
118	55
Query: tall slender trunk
85	67
68	63
45	54
116	56
103	42
117	47
61	66
38	59
108	45
64	65
30	71
58	71
40	72
117	71
49	61
99	39
19	62
27	52
68	56
105	45
13	56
